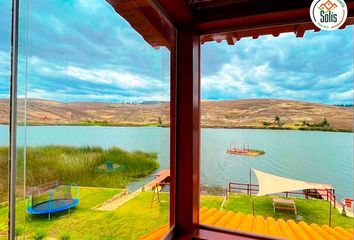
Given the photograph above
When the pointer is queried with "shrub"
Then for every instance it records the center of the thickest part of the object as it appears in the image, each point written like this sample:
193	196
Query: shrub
40	235
266	123
65	236
19	232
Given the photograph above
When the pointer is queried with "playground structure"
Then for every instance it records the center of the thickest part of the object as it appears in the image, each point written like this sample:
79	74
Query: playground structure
347	207
51	198
161	180
243	148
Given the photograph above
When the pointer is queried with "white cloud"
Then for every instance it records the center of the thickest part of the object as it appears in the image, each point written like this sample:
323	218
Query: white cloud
117	78
5	64
124	85
342	96
237	78
283	67
63	96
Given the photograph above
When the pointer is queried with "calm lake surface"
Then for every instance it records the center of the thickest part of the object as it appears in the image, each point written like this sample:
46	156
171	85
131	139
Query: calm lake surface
324	157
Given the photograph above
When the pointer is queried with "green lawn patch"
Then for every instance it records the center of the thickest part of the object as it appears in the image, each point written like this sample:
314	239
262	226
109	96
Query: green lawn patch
130	221
311	210
137	218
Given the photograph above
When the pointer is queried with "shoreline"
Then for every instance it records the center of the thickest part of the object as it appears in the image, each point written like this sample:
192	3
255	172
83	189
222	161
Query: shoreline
203	127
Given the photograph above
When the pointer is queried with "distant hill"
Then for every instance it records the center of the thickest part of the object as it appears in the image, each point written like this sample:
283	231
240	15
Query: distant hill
248	113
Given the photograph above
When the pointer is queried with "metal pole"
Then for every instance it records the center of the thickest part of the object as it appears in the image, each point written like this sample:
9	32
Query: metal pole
330	213
25	103
13	120
250	182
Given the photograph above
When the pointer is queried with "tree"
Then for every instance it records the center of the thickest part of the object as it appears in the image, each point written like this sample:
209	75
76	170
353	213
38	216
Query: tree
325	123
277	119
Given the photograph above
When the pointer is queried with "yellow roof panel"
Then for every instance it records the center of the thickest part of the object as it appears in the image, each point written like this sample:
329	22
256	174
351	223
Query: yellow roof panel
257	224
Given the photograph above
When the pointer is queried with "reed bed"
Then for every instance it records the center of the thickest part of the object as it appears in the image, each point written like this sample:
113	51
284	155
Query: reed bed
77	165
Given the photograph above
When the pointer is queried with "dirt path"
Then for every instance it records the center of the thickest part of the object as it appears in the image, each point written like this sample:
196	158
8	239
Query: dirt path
117	201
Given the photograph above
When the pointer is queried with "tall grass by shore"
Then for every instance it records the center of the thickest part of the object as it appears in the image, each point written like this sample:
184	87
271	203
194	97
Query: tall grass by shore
78	165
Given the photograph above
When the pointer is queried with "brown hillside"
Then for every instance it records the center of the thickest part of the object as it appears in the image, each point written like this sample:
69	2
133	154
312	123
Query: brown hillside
249	113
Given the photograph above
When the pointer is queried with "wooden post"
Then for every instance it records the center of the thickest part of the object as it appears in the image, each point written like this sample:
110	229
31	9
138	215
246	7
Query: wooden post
187	132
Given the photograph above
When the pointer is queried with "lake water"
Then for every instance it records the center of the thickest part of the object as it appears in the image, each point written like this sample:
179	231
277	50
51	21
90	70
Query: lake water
324	157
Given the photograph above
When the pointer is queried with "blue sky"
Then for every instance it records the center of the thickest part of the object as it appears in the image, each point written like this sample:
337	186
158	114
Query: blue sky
83	51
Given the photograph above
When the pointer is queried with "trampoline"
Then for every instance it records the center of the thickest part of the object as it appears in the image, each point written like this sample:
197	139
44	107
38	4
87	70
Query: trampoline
55	200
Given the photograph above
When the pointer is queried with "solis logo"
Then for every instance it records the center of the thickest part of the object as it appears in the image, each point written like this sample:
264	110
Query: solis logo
328	14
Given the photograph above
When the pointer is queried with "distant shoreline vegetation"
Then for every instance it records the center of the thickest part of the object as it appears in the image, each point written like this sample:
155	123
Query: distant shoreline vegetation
106	124
277	114
80	165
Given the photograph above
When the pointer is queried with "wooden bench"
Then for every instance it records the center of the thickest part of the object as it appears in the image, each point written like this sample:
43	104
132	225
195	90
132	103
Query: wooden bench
286	204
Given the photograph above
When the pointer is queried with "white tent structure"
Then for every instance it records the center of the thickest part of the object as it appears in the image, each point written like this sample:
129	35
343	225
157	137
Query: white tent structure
271	184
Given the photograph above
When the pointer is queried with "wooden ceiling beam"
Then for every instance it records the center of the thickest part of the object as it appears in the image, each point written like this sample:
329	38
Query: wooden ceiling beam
271	18
300	32
298	29
146	19
178	11
155	20
253	22
230	40
244	8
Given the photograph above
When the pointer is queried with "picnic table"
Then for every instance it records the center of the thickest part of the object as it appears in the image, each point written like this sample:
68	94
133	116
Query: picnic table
286	204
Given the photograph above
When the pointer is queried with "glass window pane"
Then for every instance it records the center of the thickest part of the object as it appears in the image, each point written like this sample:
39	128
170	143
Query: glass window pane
282	106
94	150
5	48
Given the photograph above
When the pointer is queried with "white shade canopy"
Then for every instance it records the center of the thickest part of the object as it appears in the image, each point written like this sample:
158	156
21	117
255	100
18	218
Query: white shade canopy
271	184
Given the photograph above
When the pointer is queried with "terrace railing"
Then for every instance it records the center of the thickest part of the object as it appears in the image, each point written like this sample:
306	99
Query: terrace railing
250	189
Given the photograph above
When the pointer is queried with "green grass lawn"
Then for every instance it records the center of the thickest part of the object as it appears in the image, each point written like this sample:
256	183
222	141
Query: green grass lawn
311	211
130	221
137	217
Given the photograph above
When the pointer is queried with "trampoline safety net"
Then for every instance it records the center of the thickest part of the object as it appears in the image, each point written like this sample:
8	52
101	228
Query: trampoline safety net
57	193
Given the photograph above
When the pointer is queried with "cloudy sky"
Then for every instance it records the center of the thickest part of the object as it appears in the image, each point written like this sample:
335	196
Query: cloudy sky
81	50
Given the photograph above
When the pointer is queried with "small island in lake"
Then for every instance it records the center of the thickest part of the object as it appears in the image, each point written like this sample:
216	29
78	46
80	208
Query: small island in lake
250	152
243	148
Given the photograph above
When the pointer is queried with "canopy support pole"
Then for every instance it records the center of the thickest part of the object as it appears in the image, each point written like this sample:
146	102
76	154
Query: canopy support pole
250	182
330	210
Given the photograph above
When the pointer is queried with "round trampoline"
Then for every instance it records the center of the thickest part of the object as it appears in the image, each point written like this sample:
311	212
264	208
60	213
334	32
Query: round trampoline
55	200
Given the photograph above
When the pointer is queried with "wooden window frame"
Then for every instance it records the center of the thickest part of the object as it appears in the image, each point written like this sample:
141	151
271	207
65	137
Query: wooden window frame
184	35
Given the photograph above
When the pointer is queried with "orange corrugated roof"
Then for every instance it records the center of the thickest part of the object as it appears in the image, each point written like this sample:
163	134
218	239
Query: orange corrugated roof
258	224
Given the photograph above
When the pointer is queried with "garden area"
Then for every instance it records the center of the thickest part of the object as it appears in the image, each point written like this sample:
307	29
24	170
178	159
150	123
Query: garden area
130	221
138	217
310	210
102	174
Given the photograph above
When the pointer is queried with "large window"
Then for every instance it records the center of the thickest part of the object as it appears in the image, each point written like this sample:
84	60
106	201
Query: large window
276	113
5	29
93	149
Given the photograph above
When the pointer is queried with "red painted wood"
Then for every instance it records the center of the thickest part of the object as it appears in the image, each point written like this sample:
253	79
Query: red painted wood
188	132
272	22
178	10
216	234
255	21
173	110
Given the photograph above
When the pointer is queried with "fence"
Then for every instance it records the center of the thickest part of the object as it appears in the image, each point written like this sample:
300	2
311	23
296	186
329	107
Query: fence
325	194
